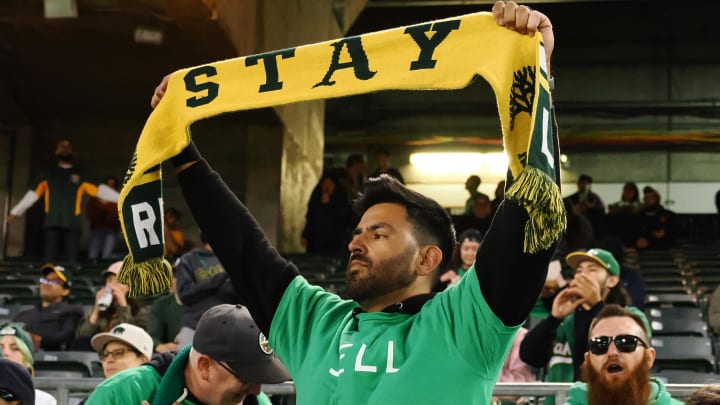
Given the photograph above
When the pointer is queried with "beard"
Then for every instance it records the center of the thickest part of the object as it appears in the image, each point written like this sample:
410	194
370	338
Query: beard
381	278
632	390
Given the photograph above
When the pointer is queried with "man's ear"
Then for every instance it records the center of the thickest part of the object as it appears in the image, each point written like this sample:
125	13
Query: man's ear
203	365
430	258
651	356
612	281
65	292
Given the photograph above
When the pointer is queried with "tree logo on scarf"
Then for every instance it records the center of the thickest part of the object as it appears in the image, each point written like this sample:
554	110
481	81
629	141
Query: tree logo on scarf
131	168
522	93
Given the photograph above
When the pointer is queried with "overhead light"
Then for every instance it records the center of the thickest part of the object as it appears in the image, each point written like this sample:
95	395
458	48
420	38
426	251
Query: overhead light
60	8
145	35
460	162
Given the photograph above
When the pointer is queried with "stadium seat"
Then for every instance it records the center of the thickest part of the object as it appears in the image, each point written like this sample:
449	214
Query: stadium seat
677	300
67	364
687	377
690	313
678	327
684	353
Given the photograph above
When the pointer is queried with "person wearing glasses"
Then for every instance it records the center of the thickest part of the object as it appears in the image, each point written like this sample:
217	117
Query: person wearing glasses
125	346
617	363
52	323
559	341
16	345
226	363
16	385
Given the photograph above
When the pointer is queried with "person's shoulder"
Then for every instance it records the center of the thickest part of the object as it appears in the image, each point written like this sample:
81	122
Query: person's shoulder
137	380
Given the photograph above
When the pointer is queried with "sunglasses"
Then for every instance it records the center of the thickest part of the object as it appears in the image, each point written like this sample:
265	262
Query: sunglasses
624	343
229	370
46	281
8	395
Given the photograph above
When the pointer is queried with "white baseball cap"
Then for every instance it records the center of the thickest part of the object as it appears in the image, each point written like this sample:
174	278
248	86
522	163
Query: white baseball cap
126	333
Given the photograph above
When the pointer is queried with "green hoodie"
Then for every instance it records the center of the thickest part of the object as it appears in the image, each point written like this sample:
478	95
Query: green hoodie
145	383
658	394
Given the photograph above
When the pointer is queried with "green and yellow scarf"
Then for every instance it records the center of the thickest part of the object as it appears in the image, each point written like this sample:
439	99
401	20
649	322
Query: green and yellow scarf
443	54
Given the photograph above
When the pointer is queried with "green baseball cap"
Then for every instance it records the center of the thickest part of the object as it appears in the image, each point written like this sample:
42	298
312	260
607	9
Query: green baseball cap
599	256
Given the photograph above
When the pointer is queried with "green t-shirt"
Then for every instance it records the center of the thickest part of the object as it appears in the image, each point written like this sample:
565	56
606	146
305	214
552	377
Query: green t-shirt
451	351
138	384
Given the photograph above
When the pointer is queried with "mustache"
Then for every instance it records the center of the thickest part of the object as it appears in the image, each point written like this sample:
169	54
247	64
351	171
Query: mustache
359	257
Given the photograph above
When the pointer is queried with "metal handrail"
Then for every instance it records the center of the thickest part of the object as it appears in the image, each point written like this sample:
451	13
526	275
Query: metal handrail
63	387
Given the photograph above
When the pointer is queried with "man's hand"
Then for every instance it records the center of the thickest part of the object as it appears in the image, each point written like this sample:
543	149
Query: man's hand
10	218
565	303
525	21
587	288
37	340
159	91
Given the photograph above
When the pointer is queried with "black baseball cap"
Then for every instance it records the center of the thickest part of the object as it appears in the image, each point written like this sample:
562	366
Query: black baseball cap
227	333
62	274
16	383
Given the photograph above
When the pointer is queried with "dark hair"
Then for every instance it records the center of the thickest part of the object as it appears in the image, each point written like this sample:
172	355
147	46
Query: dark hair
585	177
471	234
382	152
431	222
615	310
353	159
634	187
481	196
708	395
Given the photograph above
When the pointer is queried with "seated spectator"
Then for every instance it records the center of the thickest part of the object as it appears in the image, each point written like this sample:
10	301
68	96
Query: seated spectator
165	315
560	341
327	222
629	201
584	199
659	227
174	237
353	177
16	385
112	307
462	259
202	283
499	196
480	217
471	185
382	162
708	395
617	363
125	346
226	363
52	323
579	232
17	346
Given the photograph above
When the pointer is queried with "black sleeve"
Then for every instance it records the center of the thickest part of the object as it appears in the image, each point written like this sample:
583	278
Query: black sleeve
510	280
258	273
581	331
536	347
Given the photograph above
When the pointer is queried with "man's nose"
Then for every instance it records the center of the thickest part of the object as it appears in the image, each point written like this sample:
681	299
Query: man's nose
356	245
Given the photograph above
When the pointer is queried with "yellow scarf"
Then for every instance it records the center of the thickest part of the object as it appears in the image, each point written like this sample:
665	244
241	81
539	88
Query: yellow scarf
444	54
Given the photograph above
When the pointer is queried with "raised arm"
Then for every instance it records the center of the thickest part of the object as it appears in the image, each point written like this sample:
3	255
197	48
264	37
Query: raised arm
258	273
510	279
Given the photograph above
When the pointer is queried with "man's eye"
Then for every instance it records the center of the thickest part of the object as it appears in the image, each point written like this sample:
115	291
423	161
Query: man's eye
379	236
